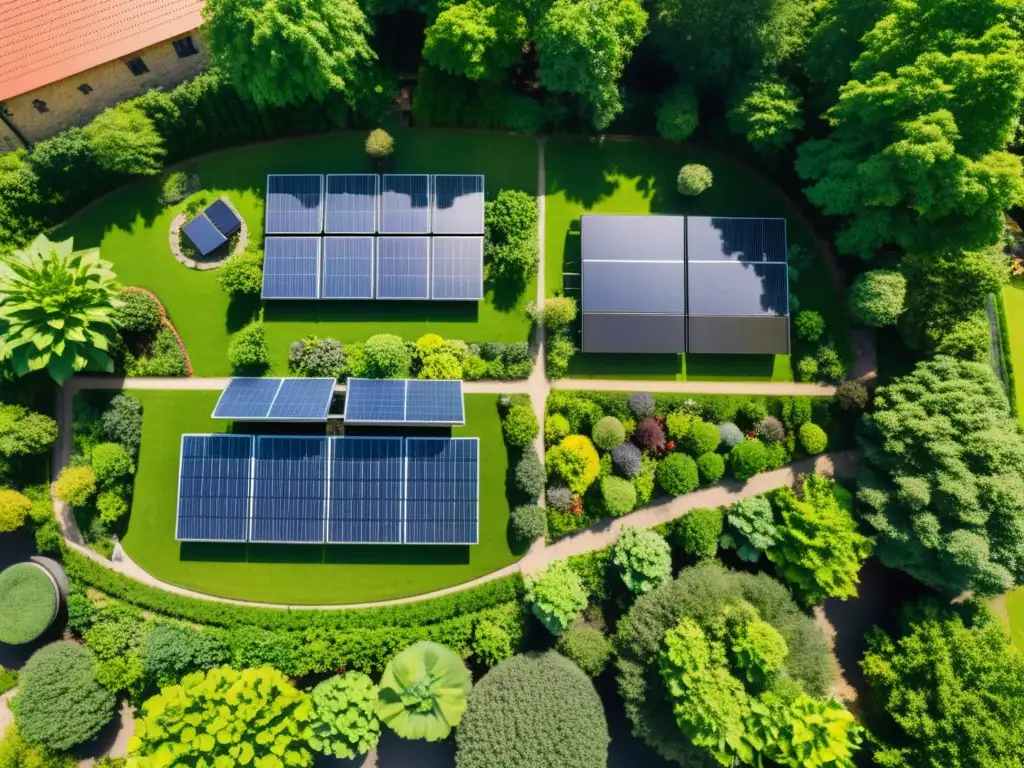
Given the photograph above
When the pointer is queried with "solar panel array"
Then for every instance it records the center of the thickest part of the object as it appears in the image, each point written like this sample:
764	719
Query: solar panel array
291	267
295	204
212	228
257	399
405	204
351	203
423	402
337	490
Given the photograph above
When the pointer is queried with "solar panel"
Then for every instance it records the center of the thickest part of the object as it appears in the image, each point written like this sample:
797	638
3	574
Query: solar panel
214	478
347	268
629	286
303	400
294	204
366	490
375	401
403	267
247	398
434	402
457	268
442	490
404	401
203	235
223	218
405	204
738	289
289	490
351	204
458	205
291	268
729	239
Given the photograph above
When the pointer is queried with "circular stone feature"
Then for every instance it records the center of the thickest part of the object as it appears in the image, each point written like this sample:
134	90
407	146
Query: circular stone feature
28	603
204	264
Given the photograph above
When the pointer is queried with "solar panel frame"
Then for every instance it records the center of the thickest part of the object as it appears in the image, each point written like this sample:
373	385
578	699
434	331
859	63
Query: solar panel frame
457	268
203	235
414	506
340	253
281	219
248	388
388	471
223	503
753	240
364	396
302	400
418	412
465	213
400	213
381	392
339	216
223	217
282	257
310	523
396	278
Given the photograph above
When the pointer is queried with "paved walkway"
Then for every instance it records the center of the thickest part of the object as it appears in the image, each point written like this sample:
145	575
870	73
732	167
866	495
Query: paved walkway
6	718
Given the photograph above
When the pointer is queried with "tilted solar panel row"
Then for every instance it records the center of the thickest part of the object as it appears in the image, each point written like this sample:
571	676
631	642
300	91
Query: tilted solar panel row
411	402
338	490
264	399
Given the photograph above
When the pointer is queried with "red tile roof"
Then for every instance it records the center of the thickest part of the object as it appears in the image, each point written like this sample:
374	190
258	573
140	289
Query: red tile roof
44	41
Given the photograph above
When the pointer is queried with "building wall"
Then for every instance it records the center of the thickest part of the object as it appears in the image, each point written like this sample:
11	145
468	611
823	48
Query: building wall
111	82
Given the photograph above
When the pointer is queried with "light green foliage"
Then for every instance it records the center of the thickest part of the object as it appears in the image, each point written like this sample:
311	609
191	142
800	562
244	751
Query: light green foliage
556	596
56	308
943	489
699	532
678	113
947	692
575	460
379	144
818	548
123	140
241	717
111	507
278	54
812	438
28	603
473	368
556	427
440	365
748	458
475	40
969	339
345	722
520	425
710	467
122	675
510	244
810	325
618	495
557	313
75	485
14	509
559	354
750	528
644	480
807	369
609	433
16	752
24	432
582	49
428	344
877	297
816	733
60	704
176	186
586	647
769	114
111	464
491	643
677	473
242	274
830	365
387	357
248	348
923	166
700	438
678	424
643	557
423	692
693	179
755	647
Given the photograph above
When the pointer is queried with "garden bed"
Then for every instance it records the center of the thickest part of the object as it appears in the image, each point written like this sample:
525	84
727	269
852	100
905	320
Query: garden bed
29	600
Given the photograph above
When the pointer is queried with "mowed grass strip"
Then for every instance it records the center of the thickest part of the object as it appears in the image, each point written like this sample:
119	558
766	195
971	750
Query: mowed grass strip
131	229
1013	302
302	574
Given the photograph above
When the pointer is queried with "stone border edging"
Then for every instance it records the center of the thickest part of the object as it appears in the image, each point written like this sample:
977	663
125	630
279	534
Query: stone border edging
175	241
165	322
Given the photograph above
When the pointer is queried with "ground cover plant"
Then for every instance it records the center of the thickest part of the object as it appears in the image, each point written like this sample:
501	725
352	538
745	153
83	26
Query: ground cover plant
423	692
28	603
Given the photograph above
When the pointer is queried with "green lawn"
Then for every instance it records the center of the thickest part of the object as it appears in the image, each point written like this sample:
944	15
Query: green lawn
639	176
131	229
1013	301
301	574
1015	610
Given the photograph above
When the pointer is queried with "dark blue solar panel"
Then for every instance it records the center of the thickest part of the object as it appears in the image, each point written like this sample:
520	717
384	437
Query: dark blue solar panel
458	205
348	268
375	400
738	289
457	268
351	205
289	490
294	204
735	239
403	268
213	487
303	399
223	218
442	490
430	402
247	398
365	490
291	268
203	235
405	204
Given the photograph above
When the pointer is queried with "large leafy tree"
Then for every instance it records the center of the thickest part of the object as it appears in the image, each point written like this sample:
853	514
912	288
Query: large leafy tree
948	692
943	484
280	52
124	140
475	40
916	153
583	47
55	309
768	113
423	692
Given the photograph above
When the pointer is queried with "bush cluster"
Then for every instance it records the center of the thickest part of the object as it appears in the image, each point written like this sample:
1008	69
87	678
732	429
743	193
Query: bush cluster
247	351
242	273
587	647
136	312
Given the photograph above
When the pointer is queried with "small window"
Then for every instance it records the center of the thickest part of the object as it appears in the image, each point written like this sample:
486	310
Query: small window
40	106
85	88
137	66
185	47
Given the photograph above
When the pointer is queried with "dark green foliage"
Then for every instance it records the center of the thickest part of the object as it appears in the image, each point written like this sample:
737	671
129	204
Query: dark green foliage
510	223
528	523
171	652
28	603
530	474
587	647
710	467
678	113
809	325
80	613
520	425
387	357
242	274
533	710
317	358
748	458
969	339
852	396
677	474
476	41
137	312
617	495
768	113
60	705
165	357
698	532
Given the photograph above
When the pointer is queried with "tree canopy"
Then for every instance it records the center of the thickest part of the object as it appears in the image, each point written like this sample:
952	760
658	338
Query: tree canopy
477	41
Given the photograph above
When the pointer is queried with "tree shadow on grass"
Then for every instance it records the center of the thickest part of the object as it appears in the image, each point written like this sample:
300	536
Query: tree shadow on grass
626	365
366	311
335	554
241	311
504	293
714	367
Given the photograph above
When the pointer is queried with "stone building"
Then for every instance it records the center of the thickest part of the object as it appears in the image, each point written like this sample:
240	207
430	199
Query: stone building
62	62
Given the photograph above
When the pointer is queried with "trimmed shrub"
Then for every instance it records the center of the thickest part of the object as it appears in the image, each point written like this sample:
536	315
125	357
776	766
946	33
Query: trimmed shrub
242	274
609	433
177	186
678	113
710	467
559	497
830	366
813	438
171	652
641	405
729	435
643	557
520	425
75	485
379	144
810	325
165	358
557	312
345	724
314	357
528	522
771	430
877	297
807	369
618	495
136	312
677	474
748	458
650	435
60	703
678	423
111	464
576	461
111	507
587	647
491	643
248	348
424	691
16	752
699	531
693	179
533	710
628	460
556	428
556	596
122	422
530	475
701	438
751	528
28	603
387	357
751	412
473	368
14	509
852	396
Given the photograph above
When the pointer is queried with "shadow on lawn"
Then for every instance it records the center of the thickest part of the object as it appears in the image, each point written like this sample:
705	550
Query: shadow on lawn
714	367
364	311
385	554
121	210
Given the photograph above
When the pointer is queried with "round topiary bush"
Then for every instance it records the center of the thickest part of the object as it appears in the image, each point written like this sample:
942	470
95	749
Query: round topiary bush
650	435
677	474
379	144
137	312
387	357
641	405
60	704
530	475
559	497
520	425
710	467
609	433
730	435
693	179
14	509
812	438
771	430
627	459
748	458
877	297
618	495
28	603
533	710
701	438
807	368
852	396
528	522
587	647
809	325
